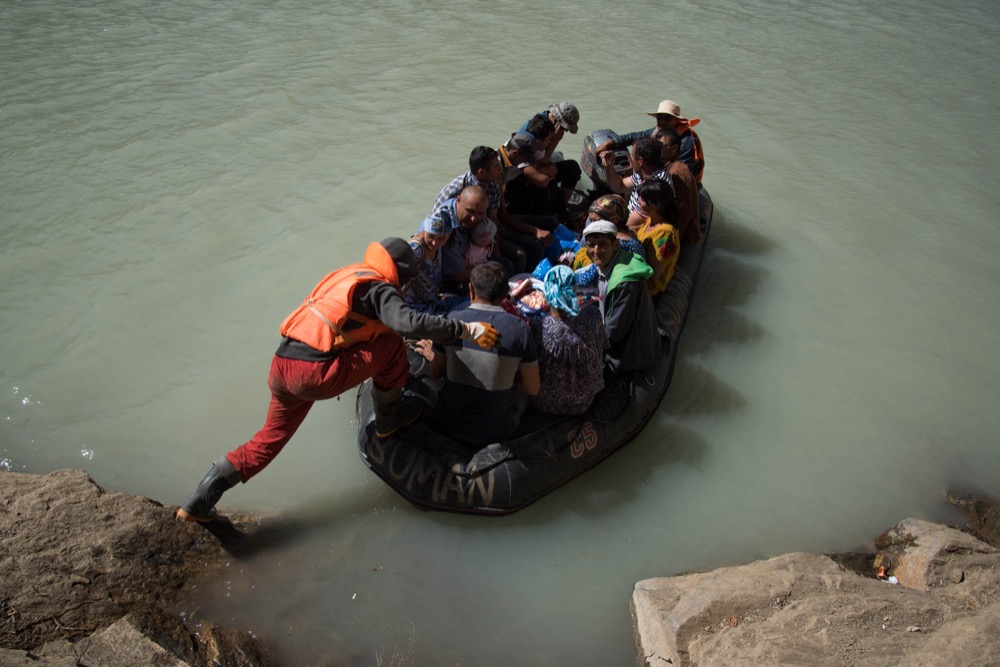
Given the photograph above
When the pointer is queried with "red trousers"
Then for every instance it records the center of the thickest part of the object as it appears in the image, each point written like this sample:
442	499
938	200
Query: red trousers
295	385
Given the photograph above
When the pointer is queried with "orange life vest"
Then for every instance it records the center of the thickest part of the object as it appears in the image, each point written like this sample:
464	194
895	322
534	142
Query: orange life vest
325	320
699	152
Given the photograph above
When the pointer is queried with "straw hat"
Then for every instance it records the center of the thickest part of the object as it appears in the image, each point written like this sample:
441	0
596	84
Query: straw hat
670	108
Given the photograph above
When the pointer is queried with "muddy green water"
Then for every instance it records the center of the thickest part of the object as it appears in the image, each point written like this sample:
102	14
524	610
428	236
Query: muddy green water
174	178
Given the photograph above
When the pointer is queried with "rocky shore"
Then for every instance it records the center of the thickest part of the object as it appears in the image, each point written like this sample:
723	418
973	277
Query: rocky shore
937	602
94	577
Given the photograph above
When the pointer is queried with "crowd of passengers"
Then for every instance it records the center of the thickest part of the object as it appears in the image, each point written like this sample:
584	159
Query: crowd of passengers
586	312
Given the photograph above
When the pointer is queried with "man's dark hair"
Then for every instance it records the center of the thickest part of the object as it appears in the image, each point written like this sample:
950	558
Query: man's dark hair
650	150
668	136
482	157
490	280
659	195
540	127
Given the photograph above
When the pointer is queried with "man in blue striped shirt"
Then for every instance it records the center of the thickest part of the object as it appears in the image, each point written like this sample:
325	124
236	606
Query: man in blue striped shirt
647	163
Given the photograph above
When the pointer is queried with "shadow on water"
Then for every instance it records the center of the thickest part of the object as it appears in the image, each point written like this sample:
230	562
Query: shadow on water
732	236
727	281
246	537
613	484
700	392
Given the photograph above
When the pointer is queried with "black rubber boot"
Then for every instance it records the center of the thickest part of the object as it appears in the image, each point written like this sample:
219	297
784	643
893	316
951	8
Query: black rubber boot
200	506
392	411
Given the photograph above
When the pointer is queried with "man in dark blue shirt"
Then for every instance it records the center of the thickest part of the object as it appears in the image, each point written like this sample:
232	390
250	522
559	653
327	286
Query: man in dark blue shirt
484	395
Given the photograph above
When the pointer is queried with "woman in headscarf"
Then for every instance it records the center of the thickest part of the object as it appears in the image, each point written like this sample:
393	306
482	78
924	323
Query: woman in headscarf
571	346
424	293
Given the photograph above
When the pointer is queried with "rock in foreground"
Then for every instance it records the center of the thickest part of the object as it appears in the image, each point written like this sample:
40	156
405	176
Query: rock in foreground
808	609
91	576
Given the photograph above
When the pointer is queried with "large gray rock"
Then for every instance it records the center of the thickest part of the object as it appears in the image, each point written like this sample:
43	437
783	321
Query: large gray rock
806	609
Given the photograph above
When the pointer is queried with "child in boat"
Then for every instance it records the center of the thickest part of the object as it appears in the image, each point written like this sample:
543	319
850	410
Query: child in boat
481	246
424	292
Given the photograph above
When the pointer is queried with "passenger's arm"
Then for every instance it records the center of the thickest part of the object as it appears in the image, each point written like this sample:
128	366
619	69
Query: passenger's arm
540	175
618	319
438	366
436	359
544	166
615	181
687	154
661	251
491	215
518	225
658	265
529	379
557	136
632	137
635	221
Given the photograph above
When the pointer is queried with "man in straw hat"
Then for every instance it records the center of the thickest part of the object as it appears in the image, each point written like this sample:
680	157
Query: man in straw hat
668	115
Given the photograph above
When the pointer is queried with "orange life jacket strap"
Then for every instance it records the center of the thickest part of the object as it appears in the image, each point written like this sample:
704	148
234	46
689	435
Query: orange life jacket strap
357	317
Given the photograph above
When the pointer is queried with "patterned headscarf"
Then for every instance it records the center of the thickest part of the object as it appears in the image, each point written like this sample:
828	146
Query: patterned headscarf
560	289
612	208
436	224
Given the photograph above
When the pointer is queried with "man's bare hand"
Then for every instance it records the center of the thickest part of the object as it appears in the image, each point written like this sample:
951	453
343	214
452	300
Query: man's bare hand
424	348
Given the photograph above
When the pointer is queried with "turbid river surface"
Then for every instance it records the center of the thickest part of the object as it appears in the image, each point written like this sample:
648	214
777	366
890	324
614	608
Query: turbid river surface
175	177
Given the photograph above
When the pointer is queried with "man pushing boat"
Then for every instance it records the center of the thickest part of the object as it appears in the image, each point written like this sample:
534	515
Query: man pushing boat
346	331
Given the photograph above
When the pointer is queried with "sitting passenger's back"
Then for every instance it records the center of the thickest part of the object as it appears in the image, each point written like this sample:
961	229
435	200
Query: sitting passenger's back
484	395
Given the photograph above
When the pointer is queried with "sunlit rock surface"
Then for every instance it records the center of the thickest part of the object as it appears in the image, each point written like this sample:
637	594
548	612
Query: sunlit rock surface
927	595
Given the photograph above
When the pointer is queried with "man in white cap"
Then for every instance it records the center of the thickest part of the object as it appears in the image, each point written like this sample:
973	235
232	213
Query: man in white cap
668	115
627	308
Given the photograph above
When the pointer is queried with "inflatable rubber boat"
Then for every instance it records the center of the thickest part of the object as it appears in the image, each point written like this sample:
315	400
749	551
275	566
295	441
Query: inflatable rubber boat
431	470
